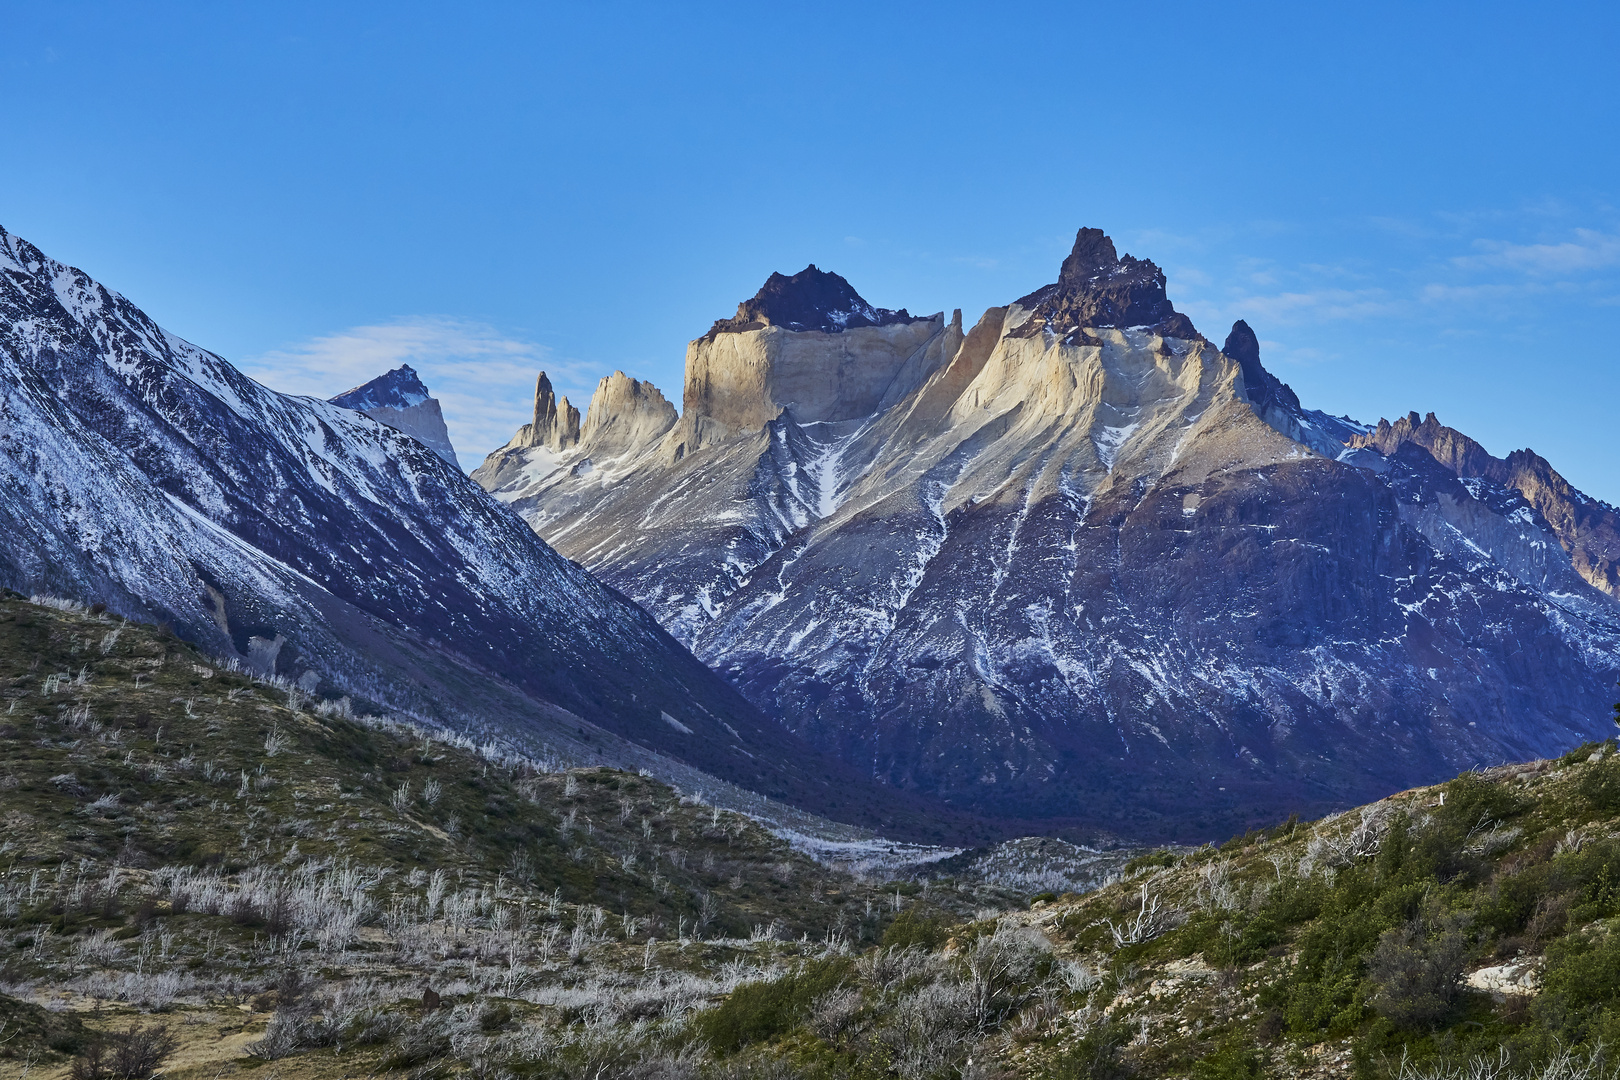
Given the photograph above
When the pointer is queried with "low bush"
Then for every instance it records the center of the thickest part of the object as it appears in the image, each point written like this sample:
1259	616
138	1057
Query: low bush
762	1010
133	1054
1095	1056
912	927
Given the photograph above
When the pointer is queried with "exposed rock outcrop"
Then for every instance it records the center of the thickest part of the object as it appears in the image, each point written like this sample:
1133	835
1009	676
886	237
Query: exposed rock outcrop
1106	575
625	415
808	345
1586	528
400	399
556	423
812	299
1262	387
1275	402
1098	288
740	381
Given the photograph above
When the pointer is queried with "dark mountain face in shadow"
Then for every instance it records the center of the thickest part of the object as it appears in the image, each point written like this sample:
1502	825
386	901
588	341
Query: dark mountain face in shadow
309	541
1075	564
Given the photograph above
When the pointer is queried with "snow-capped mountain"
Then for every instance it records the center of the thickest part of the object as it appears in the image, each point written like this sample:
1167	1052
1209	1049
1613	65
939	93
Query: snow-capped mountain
399	399
311	541
1077	563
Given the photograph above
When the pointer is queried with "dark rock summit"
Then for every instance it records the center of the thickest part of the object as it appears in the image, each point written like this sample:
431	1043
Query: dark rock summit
812	299
1263	387
397	389
401	400
1098	288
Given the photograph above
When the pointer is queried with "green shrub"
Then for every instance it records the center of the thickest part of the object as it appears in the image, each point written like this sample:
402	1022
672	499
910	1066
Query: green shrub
1507	905
1582	752
1327	1006
1471	798
1230	1062
912	927
1296	900
1415	970
757	1011
1599	784
494	1017
1096	1056
1152	859
1582	976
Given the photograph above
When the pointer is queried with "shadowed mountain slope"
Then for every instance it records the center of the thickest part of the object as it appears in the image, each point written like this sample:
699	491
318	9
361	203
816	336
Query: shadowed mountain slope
307	540
1076	563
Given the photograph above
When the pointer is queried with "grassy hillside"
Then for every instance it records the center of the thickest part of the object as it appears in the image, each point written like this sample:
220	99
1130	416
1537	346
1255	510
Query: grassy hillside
291	891
178	835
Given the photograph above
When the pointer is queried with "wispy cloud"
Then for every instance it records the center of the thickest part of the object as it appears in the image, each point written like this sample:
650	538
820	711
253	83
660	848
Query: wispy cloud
1315	305
1589	250
1437	293
483	378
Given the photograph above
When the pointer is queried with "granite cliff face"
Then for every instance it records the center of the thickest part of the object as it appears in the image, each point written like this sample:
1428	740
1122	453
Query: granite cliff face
309	541
399	399
1076	563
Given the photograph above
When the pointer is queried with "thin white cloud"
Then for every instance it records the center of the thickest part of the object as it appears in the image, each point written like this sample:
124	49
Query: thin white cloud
484	379
1280	352
1436	293
1315	305
1590	250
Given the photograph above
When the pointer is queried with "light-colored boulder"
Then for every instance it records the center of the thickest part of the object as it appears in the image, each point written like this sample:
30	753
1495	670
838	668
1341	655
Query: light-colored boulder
1521	978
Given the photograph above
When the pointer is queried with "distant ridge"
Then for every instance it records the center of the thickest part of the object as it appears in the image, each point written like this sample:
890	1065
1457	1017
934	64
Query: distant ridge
399	399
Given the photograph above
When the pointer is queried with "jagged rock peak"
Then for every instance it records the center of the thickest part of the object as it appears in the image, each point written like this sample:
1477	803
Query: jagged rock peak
1264	387
1097	287
1241	345
812	299
555	424
1450	447
401	400
397	389
625	414
1587	528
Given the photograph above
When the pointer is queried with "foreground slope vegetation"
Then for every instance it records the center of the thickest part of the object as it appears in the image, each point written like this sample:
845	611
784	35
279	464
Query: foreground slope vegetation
179	834
244	879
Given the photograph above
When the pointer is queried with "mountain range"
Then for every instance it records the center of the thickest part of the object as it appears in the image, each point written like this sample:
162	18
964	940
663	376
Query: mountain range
1075	563
311	543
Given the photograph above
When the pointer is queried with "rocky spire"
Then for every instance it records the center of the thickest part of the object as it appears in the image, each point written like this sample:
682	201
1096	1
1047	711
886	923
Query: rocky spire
1097	287
1264	387
545	409
567	431
556	423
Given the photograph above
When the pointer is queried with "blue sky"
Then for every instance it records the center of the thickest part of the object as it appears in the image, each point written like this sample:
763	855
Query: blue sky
1415	206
